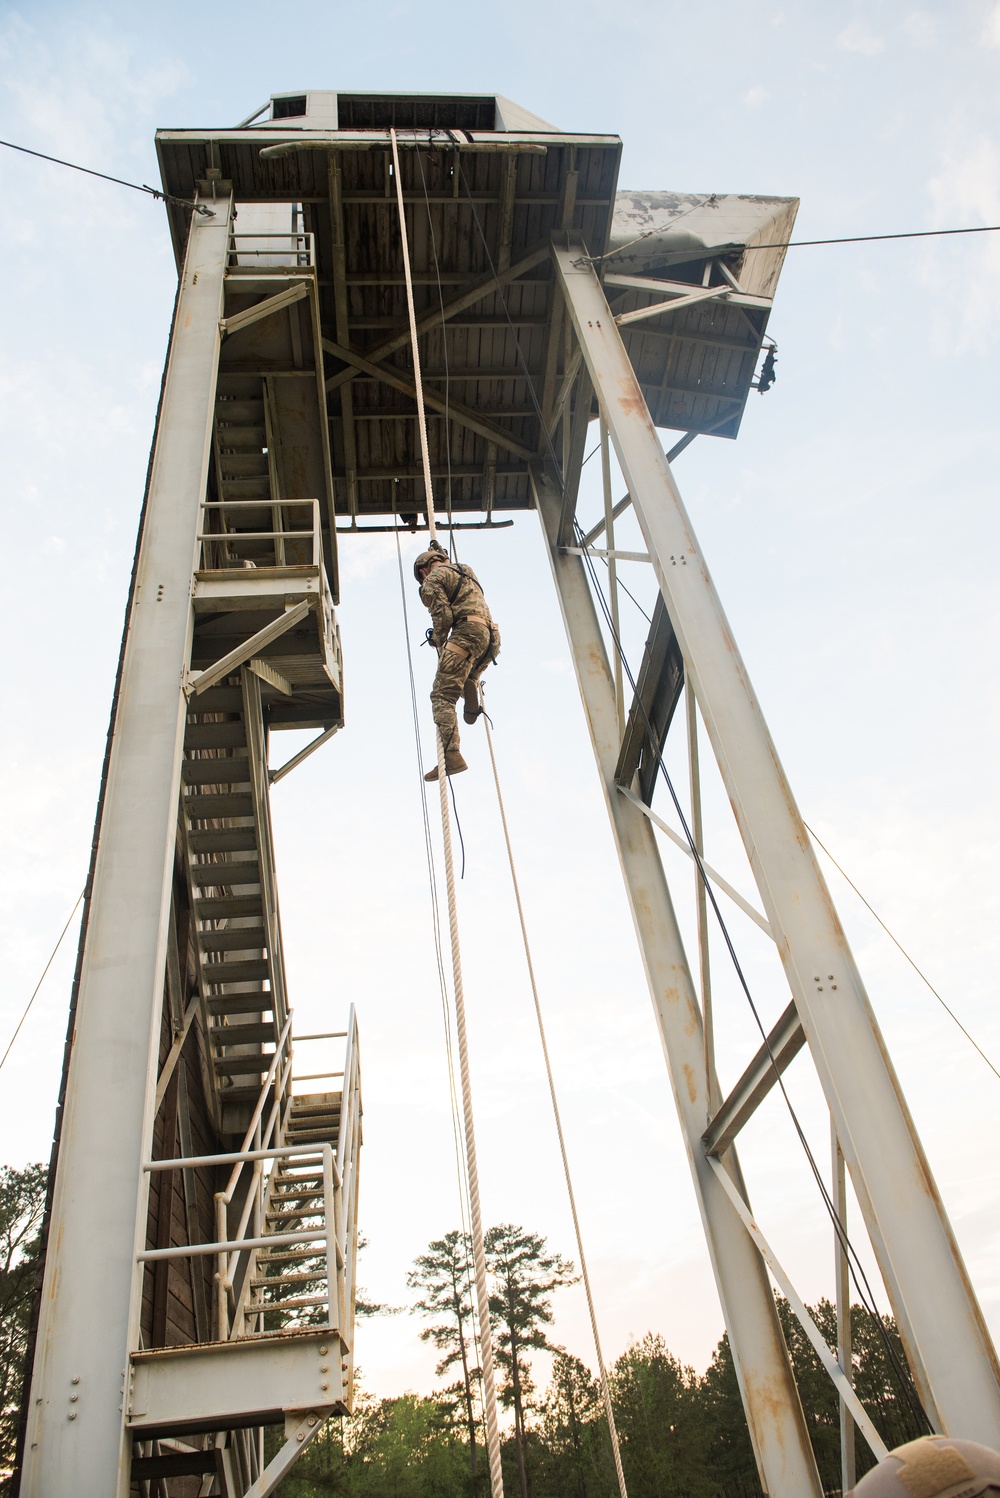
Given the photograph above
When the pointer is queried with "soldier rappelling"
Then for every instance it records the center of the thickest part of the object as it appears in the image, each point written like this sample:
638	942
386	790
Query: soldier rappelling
466	639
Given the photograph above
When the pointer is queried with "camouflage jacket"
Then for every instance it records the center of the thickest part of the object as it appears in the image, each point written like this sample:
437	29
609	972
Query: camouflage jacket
451	595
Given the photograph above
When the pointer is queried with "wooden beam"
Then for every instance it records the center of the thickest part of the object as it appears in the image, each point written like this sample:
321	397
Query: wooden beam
475	293
460	413
342	315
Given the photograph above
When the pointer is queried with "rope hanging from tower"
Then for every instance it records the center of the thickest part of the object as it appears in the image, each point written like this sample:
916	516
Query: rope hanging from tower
472	1171
444	766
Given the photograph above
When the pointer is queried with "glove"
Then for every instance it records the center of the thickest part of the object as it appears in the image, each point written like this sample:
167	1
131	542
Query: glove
429	638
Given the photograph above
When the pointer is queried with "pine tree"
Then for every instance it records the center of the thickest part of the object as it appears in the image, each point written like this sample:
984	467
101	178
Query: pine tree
443	1275
524	1276
22	1202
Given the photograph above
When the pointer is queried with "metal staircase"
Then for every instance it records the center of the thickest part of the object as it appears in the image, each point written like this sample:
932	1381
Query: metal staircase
285	1252
265	656
237	931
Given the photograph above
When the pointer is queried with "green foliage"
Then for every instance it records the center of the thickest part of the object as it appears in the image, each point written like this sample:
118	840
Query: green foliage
524	1274
656	1404
22	1202
680	1436
572	1453
443	1275
389	1448
878	1359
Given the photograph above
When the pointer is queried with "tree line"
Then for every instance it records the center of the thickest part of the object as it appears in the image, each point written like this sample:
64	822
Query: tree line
682	1434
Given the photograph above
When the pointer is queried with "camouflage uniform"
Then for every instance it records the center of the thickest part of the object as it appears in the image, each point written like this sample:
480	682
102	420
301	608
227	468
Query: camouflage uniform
462	622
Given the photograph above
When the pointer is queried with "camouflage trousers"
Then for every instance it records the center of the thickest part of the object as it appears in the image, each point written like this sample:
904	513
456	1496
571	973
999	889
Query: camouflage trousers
457	664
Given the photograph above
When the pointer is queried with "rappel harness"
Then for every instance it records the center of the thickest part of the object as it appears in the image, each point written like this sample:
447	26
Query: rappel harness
492	652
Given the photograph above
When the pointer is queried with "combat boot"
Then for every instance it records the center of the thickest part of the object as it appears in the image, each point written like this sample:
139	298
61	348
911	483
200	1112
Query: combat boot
473	707
454	764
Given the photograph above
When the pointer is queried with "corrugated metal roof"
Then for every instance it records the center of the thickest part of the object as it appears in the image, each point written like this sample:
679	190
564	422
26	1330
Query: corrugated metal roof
472	216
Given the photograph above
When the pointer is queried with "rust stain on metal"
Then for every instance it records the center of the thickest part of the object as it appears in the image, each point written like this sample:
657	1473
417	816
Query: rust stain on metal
691	1081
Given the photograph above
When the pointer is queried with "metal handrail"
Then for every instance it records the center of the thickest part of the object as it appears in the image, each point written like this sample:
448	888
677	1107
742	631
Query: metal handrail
300	243
260	1149
277	533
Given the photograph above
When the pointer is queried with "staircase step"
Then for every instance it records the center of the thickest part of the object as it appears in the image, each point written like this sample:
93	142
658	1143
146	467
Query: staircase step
253	1034
230	769
241	486
242	462
293	1303
275	1256
240	1003
242	1066
296	1215
289	1279
235	408
314	1194
220	699
305	1118
225	873
236	972
202	808
224	840
226	907
236	434
174	1464
238	1097
215	735
233	939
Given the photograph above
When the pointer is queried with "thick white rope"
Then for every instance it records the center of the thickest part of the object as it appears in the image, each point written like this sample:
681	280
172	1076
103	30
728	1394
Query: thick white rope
602	1371
418	382
472	1169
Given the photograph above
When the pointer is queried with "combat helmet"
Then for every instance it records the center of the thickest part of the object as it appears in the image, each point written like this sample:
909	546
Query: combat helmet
436	554
933	1467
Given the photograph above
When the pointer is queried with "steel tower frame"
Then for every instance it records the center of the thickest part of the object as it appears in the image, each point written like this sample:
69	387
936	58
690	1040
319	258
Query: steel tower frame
144	1370
281	414
948	1345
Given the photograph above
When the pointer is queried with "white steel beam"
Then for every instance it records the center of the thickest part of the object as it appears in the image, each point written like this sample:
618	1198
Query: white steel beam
808	1325
216	1385
200	681
946	1339
266	308
685	847
774	1413
707	294
89	1320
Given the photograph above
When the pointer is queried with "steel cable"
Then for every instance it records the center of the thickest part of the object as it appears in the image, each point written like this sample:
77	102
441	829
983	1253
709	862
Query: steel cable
41	980
602	1370
857	1270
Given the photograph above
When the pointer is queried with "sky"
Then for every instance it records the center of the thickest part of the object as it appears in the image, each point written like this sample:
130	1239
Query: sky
851	531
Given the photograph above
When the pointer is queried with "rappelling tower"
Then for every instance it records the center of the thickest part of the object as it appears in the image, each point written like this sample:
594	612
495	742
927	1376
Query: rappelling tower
201	1236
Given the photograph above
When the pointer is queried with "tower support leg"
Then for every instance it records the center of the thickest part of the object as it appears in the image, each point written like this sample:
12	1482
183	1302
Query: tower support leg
770	1397
945	1335
92	1285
